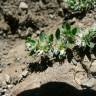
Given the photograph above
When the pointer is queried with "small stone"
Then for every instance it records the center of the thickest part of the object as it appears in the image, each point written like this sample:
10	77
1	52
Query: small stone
60	12
24	73
4	90
7	78
38	32
86	62
18	59
89	83
23	5
0	70
1	90
93	67
1	32
51	16
93	57
14	80
10	86
45	1
25	33
74	62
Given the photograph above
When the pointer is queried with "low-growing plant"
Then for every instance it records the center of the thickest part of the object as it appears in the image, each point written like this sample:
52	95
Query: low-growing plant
53	46
45	42
56	47
69	32
89	38
41	45
81	5
31	45
59	48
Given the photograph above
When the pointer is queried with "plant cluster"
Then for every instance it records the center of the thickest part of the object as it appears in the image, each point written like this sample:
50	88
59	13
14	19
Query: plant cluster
89	39
55	46
81	5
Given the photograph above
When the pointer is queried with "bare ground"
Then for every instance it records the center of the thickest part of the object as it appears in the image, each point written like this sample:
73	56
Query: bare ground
14	58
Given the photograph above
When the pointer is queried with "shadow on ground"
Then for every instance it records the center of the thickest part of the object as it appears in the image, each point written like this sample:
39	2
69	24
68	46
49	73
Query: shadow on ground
57	89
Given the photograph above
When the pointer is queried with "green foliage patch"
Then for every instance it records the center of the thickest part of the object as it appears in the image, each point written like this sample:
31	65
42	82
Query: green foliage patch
81	5
55	46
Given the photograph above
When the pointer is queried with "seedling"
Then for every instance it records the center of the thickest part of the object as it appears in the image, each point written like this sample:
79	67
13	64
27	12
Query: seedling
88	39
68	33
59	48
81	5
31	45
55	47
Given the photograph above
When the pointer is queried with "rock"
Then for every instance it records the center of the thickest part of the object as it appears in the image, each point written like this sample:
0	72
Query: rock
10	86
93	67
1	70
64	5
14	80
60	12
51	16
93	57
24	73
74	62
45	1
1	32
0	92
4	79
23	5
89	83
17	59
4	27
86	62
5	90
7	78
38	32
25	33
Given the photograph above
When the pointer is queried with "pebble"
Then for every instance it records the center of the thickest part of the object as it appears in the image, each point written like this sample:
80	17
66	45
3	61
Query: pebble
74	62
10	86
38	32
1	70
24	73
23	5
93	67
89	83
7	78
1	32
51	16
86	62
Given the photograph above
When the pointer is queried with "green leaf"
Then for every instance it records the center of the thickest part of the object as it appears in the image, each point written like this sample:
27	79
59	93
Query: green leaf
67	29
91	45
42	36
31	41
50	38
67	26
74	31
57	34
28	39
